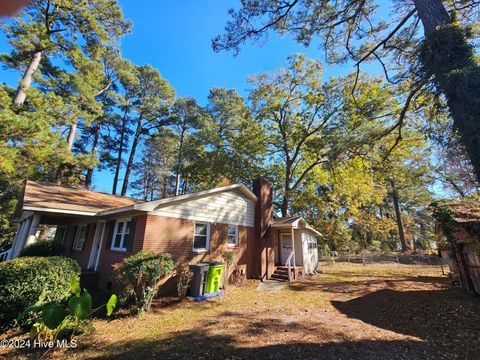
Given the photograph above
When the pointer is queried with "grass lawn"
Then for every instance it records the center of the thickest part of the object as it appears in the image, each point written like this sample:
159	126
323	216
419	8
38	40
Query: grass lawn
349	312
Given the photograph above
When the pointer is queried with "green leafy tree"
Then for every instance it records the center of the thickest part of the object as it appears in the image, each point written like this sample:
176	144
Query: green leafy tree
154	174
186	116
310	123
50	29
146	99
440	59
230	144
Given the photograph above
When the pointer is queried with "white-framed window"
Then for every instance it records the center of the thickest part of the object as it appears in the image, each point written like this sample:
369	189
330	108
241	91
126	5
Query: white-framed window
60	234
80	237
120	234
232	235
201	237
312	242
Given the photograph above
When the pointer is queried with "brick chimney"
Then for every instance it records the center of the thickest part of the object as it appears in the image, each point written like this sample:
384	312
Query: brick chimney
264	249
263	189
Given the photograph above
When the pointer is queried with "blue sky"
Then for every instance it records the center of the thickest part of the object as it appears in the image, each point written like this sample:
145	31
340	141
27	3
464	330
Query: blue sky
175	37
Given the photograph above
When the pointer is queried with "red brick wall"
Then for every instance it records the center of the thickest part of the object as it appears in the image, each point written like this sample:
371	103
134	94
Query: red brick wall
82	256
175	236
110	257
264	256
170	235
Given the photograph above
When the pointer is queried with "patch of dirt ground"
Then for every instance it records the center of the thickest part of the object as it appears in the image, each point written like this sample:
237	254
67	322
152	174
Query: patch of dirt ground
378	311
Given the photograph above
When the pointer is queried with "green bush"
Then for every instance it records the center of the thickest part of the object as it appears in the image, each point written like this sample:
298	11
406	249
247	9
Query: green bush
44	248
23	280
139	276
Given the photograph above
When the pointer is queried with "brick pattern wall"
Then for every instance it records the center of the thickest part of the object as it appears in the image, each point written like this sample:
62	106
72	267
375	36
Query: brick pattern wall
110	257
170	235
264	256
175	236
82	256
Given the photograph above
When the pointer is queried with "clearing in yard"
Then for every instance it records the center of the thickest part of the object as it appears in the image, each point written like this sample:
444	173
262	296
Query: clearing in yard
379	311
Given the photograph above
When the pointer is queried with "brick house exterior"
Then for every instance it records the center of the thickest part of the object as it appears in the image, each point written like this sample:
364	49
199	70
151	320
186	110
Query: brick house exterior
100	230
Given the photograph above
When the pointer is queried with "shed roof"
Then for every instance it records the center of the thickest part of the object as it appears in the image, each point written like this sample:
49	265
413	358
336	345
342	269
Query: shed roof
39	196
295	222
462	210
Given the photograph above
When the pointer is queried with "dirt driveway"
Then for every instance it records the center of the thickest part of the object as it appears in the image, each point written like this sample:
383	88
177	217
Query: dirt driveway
349	312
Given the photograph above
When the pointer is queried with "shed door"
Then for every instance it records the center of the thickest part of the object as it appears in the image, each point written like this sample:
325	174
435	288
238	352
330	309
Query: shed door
285	247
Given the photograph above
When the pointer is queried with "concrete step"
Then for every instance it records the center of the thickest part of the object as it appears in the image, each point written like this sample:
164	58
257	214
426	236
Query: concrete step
279	277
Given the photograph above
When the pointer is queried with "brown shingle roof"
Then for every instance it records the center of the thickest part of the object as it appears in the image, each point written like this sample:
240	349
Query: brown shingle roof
54	197
287	220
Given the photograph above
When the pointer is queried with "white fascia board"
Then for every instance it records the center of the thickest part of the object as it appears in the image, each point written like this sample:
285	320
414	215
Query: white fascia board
59	211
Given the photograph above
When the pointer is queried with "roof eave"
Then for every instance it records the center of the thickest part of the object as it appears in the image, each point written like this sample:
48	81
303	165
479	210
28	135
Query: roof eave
59	211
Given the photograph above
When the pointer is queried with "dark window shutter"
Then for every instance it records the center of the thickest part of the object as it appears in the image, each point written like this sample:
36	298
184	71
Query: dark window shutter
75	229
131	235
86	236
111	228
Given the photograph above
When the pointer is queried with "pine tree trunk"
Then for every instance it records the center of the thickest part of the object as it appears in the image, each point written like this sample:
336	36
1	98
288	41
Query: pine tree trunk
450	59
27	78
120	153
131	157
89	175
71	134
432	13
179	162
398	216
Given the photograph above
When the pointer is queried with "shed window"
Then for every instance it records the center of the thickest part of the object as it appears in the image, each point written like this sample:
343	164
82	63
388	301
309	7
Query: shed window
201	237
120	235
80	237
312	242
233	235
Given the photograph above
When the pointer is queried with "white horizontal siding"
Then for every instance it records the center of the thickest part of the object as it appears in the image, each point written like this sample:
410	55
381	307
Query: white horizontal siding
230	207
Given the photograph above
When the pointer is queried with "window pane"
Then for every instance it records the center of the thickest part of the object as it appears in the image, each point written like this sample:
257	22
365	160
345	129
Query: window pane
200	242
118	240
201	229
232	235
127	227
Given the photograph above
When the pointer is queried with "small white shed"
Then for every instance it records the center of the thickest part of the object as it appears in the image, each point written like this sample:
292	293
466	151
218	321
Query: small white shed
295	244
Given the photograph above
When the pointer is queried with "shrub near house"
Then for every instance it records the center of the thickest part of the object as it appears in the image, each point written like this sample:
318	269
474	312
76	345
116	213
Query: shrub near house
44	248
140	276
23	280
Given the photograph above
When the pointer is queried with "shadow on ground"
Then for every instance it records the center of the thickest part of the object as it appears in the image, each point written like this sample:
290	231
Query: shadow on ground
199	344
447	319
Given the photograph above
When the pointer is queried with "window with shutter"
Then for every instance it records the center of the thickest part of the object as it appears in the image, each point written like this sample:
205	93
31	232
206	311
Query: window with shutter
121	234
80	237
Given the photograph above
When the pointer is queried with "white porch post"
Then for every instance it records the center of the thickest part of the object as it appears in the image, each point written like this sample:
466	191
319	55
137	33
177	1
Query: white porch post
21	238
21	227
33	229
293	247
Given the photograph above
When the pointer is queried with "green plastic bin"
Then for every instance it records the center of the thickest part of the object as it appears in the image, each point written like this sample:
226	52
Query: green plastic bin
214	277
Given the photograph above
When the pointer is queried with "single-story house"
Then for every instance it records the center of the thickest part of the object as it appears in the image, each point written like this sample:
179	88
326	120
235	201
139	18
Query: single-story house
458	231
99	230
